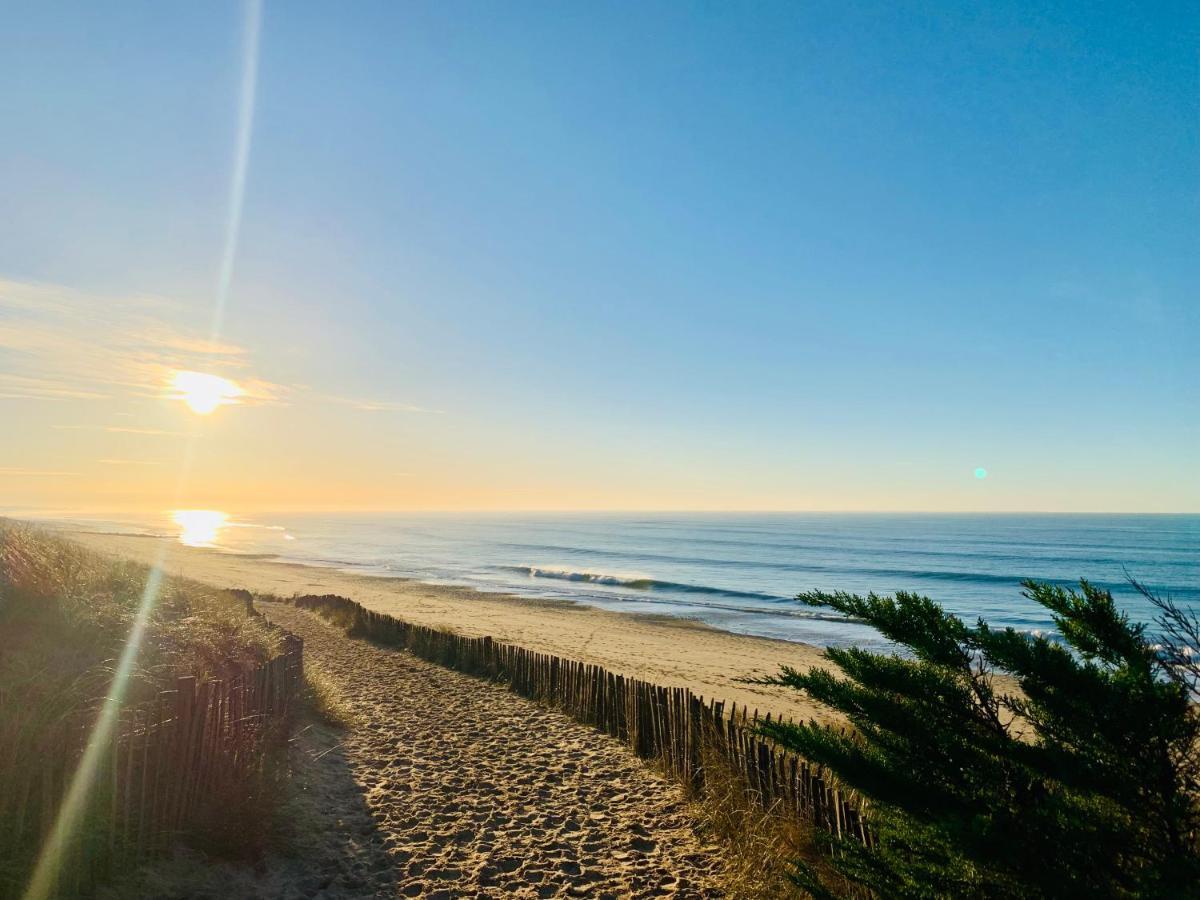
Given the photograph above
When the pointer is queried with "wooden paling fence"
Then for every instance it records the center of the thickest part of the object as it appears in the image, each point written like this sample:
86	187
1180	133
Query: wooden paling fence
672	725
167	761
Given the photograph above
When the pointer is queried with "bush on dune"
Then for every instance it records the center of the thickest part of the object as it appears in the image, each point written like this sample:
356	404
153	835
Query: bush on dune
1082	783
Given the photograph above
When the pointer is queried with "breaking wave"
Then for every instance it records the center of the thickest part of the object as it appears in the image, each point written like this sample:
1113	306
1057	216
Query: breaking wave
638	583
779	606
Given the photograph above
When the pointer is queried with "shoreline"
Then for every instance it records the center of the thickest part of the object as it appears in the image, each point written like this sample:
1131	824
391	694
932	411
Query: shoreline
664	649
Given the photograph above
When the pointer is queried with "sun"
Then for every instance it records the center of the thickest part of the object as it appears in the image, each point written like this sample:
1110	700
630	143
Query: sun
199	527
203	393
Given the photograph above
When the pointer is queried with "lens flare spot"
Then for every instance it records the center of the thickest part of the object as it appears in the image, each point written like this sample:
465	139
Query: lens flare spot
199	527
981	473
202	392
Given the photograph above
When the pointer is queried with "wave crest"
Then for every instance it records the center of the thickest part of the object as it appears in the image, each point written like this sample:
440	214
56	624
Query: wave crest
637	582
778	606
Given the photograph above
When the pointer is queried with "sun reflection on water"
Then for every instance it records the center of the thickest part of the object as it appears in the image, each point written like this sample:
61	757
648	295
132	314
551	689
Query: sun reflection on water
199	527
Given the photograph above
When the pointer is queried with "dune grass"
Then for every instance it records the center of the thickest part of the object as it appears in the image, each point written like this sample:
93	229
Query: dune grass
324	697
65	616
760	843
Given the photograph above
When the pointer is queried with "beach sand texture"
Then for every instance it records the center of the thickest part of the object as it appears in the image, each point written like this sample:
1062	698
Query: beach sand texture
665	650
450	786
472	789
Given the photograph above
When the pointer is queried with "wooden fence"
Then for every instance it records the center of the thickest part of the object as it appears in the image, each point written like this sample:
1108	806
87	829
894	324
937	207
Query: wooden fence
168	762
671	725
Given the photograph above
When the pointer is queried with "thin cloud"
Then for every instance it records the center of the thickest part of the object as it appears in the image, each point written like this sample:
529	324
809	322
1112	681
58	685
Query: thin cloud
116	429
256	391
381	405
129	462
29	387
58	343
120	429
8	470
165	337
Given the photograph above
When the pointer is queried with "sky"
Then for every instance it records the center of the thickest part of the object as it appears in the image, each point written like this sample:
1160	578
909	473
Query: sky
734	256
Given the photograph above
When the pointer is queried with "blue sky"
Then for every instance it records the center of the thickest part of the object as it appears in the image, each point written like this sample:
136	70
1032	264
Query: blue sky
636	255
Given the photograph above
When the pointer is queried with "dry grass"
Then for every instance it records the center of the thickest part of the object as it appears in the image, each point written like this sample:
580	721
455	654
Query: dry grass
69	610
325	699
761	844
65	616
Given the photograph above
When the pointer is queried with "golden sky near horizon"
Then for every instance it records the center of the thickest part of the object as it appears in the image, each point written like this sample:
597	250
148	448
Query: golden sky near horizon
106	421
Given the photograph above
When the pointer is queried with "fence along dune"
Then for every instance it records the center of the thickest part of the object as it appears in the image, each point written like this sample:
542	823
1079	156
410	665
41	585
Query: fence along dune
197	734
669	725
169	758
183	736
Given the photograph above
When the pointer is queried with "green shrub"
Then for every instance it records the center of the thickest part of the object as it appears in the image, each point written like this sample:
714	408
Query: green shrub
1083	782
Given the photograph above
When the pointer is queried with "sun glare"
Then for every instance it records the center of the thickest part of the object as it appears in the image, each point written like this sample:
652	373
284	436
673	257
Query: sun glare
202	392
199	527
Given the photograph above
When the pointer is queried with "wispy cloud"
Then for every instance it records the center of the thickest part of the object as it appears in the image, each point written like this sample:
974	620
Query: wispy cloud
14	386
8	470
120	429
115	429
129	462
59	343
165	337
380	405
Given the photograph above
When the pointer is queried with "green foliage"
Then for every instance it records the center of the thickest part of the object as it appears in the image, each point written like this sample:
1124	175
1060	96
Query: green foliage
1075	775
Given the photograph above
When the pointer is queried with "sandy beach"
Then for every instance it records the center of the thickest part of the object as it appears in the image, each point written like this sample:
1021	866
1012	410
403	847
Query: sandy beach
449	786
445	785
667	650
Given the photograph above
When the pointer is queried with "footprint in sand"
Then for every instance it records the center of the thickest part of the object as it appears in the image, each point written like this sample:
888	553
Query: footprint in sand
489	795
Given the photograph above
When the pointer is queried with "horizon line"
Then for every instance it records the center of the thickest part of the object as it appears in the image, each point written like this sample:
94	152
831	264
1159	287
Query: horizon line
18	512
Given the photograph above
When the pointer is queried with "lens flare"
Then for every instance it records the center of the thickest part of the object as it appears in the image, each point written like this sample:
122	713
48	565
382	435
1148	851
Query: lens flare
241	159
981	473
44	882
203	394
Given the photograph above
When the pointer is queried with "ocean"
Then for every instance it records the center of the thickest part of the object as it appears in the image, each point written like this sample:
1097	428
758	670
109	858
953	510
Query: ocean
738	572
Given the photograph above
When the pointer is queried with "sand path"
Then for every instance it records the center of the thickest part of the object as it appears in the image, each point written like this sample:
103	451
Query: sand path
472	791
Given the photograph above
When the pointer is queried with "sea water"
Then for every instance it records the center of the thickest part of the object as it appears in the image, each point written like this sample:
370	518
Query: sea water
742	572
